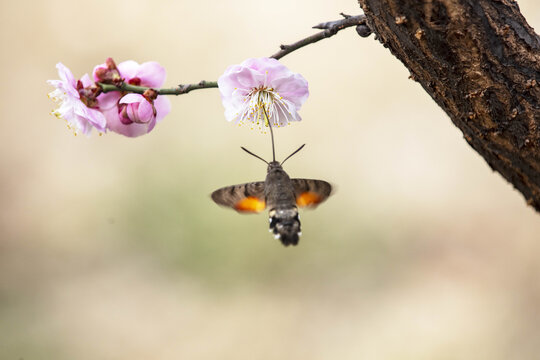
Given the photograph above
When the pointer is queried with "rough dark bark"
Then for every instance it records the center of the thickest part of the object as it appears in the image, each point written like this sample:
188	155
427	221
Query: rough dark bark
480	61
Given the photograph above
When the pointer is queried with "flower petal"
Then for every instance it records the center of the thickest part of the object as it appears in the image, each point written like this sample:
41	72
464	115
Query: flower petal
67	82
108	100
66	76
86	81
293	87
87	116
151	74
163	107
98	120
151	125
270	67
128	69
131	98
239	77
145	111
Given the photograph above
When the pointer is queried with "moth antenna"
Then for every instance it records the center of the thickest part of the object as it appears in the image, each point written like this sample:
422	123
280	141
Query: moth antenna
271	134
297	150
250	153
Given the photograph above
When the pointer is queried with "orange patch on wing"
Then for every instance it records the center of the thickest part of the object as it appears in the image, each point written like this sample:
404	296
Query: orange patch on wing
308	198
250	204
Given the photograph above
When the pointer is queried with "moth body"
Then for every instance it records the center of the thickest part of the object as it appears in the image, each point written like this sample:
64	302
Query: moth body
280	199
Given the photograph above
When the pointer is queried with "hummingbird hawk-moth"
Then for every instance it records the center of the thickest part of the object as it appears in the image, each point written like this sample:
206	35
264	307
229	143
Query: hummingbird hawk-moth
279	193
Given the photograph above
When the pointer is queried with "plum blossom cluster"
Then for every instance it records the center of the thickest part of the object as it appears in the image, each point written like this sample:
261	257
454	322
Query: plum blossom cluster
84	106
261	87
260	92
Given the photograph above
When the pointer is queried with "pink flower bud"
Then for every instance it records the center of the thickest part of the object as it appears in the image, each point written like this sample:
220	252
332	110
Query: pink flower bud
135	108
108	73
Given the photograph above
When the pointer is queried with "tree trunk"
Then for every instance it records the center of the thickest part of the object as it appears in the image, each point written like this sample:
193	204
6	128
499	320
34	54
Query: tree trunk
480	61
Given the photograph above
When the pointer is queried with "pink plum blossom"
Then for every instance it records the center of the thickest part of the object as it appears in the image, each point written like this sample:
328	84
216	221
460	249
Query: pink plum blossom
77	105
262	83
132	114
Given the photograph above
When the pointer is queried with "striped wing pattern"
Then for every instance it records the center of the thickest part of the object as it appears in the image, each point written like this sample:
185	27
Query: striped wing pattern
311	192
247	197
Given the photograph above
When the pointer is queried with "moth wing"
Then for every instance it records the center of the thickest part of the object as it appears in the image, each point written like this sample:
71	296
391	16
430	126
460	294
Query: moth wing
310	192
244	198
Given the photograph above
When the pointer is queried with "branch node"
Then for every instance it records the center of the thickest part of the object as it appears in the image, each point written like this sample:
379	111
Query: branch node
363	30
530	83
513	114
401	19
419	34
184	89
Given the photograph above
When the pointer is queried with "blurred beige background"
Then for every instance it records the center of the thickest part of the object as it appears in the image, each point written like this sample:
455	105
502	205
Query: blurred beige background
112	249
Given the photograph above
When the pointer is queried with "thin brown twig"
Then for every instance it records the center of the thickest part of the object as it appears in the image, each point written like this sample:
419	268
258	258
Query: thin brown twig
179	90
329	28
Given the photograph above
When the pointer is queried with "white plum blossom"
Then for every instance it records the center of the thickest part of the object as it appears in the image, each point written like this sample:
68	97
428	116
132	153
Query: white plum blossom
262	84
79	117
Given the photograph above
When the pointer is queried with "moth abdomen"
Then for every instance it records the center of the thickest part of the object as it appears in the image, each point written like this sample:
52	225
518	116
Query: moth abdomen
285	225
